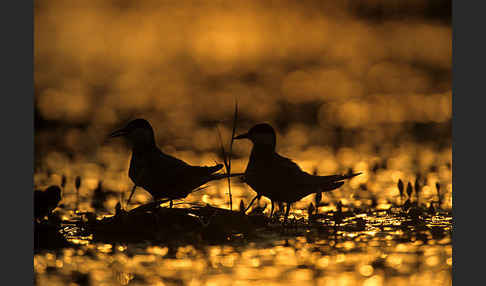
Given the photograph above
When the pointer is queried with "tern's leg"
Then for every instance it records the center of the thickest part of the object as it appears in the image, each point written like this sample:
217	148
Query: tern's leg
171	203
155	214
318	199
248	207
287	211
131	194
271	211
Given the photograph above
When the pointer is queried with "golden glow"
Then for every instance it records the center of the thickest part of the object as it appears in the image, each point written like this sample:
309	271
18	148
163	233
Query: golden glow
366	270
136	55
179	63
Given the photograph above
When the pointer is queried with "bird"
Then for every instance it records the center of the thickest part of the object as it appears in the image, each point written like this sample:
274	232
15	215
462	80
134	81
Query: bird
46	201
279	178
162	175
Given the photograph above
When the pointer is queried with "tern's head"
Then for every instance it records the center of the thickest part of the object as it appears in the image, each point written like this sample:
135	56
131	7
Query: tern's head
139	132
261	134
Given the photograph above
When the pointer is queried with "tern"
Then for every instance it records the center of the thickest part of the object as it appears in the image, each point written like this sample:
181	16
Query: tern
278	178
162	175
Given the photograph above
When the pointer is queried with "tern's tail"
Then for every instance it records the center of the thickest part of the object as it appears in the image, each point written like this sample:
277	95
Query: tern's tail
215	168
205	171
334	178
329	183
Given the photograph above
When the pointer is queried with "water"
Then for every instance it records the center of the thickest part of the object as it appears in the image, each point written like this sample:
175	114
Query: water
361	85
376	243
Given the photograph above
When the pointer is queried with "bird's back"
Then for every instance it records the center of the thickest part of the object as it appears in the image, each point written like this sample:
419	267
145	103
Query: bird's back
272	175
165	176
281	179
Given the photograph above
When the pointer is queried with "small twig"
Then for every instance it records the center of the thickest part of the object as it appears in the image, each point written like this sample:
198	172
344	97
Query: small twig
77	184
439	195
235	117
223	153
189	203
227	159
400	189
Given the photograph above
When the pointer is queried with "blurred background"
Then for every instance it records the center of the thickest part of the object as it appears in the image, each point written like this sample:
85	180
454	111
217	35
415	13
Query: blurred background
347	84
313	68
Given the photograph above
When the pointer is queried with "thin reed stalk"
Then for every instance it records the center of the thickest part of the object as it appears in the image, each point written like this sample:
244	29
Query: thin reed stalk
233	131
227	157
223	154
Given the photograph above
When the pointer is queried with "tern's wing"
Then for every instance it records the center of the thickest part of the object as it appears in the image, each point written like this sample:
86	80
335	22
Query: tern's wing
180	169
287	168
168	176
168	161
291	171
328	183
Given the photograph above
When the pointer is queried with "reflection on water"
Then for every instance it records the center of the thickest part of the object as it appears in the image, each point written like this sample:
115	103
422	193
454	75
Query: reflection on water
362	85
363	260
387	249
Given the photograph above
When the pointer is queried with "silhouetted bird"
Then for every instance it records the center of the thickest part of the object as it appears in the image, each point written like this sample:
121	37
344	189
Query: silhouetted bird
46	201
162	175
277	177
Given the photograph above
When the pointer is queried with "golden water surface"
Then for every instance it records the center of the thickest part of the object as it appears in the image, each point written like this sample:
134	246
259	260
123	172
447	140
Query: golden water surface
381	254
362	85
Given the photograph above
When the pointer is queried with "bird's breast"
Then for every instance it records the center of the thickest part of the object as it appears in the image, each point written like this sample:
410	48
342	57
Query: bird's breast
136	166
259	175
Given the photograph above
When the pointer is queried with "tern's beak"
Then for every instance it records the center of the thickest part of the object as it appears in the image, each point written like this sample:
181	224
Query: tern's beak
242	136
119	132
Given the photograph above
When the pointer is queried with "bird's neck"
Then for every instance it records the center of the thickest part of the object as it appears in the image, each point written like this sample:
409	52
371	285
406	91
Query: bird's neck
262	151
142	139
143	146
